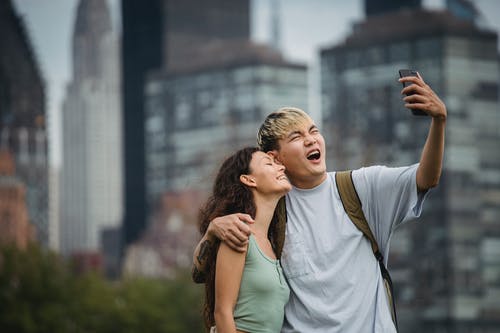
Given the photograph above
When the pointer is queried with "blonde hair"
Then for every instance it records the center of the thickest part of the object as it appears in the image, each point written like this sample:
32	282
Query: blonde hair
277	125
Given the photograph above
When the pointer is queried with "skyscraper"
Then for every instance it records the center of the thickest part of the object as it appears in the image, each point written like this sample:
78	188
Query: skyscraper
91	182
23	132
141	51
444	267
172	36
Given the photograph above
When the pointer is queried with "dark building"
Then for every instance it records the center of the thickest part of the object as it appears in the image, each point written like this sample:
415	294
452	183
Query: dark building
377	7
141	52
446	267
110	249
193	25
23	130
174	36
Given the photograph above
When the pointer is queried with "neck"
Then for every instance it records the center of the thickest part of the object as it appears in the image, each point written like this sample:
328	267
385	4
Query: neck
265	206
308	182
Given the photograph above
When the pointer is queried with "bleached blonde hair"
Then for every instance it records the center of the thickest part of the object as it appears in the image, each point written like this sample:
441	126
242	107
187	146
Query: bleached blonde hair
277	125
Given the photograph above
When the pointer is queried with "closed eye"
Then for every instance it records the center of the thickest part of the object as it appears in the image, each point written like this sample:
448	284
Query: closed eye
314	130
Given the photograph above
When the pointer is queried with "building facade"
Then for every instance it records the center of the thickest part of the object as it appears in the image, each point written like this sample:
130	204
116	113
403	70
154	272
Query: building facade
23	131
91	181
142	31
197	119
14	220
445	267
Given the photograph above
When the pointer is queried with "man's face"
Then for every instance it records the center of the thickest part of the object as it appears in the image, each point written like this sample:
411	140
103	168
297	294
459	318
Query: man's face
302	152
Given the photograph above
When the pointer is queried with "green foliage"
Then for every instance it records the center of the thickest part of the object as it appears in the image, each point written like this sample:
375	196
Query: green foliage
39	293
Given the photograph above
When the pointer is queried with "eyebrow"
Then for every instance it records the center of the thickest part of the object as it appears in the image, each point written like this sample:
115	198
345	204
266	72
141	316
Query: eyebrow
267	158
313	126
293	133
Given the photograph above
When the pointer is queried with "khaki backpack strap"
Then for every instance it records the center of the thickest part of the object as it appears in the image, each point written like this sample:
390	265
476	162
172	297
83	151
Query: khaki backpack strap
353	208
352	205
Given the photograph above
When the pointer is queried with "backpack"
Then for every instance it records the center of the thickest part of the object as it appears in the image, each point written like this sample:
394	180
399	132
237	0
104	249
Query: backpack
352	206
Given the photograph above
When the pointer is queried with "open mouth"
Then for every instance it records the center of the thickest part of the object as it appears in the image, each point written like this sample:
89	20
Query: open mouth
314	155
283	177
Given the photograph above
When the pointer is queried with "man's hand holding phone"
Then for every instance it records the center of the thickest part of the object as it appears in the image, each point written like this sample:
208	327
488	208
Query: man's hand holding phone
404	73
420	98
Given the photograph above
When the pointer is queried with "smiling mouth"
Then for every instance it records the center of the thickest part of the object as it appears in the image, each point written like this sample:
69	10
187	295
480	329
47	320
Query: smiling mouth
314	155
283	177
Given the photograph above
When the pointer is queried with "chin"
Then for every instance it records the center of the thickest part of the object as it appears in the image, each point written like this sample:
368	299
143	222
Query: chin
319	170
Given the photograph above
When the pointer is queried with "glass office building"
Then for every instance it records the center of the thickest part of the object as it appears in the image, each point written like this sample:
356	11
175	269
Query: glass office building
446	267
196	119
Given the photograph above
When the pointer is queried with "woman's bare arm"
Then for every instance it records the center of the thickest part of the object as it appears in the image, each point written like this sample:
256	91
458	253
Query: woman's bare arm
232	229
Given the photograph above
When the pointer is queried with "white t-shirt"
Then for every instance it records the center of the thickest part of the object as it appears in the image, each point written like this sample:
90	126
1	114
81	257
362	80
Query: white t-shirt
335	280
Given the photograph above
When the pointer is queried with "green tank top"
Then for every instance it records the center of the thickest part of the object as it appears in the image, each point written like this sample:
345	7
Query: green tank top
260	307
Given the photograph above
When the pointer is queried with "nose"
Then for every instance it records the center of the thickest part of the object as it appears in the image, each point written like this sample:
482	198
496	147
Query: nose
309	140
281	167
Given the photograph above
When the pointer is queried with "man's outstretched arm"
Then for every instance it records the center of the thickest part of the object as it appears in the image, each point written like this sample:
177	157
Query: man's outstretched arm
431	160
231	229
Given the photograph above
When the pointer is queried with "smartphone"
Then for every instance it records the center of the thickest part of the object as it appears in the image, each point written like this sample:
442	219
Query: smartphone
411	72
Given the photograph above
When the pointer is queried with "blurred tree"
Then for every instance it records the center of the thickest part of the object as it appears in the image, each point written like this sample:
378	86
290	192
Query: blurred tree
40	293
35	291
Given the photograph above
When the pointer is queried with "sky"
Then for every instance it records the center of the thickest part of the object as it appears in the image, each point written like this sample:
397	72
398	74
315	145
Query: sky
306	26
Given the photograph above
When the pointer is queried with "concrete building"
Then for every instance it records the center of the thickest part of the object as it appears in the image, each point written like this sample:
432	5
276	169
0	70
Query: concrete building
91	181
445	268
23	131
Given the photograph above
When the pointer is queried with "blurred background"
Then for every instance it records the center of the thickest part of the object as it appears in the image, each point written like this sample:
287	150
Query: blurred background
114	116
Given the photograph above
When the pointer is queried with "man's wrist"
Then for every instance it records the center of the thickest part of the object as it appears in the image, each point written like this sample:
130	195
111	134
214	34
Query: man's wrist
205	249
210	235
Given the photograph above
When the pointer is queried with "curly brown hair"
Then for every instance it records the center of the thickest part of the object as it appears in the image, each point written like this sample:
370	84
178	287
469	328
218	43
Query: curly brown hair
230	196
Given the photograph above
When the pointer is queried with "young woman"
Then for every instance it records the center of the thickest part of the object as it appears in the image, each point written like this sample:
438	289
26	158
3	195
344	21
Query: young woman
246	291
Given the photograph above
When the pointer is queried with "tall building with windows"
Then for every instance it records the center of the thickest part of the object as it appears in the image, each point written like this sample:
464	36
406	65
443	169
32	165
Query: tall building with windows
23	131
171	36
91	182
142	31
445	267
196	119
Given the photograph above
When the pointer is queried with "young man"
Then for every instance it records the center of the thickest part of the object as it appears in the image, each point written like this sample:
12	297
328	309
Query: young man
335	280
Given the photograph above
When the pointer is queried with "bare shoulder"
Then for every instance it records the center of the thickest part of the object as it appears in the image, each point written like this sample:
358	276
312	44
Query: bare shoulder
226	252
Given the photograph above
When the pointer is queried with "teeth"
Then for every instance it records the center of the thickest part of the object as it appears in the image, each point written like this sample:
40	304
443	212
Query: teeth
312	153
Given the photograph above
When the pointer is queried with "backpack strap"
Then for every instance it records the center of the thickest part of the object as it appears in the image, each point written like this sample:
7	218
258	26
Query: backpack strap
353	208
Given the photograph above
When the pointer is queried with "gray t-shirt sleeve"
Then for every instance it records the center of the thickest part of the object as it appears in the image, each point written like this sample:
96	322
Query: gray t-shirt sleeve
389	198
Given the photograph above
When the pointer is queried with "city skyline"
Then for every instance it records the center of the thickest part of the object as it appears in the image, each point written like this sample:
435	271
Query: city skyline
322	23
196	88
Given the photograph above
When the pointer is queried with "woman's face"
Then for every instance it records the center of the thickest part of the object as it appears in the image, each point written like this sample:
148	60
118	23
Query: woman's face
267	176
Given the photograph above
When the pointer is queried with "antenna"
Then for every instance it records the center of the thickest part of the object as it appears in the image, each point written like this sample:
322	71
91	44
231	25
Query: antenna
276	24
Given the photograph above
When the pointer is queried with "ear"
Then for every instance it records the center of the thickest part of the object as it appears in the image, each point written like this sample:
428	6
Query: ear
248	180
274	154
